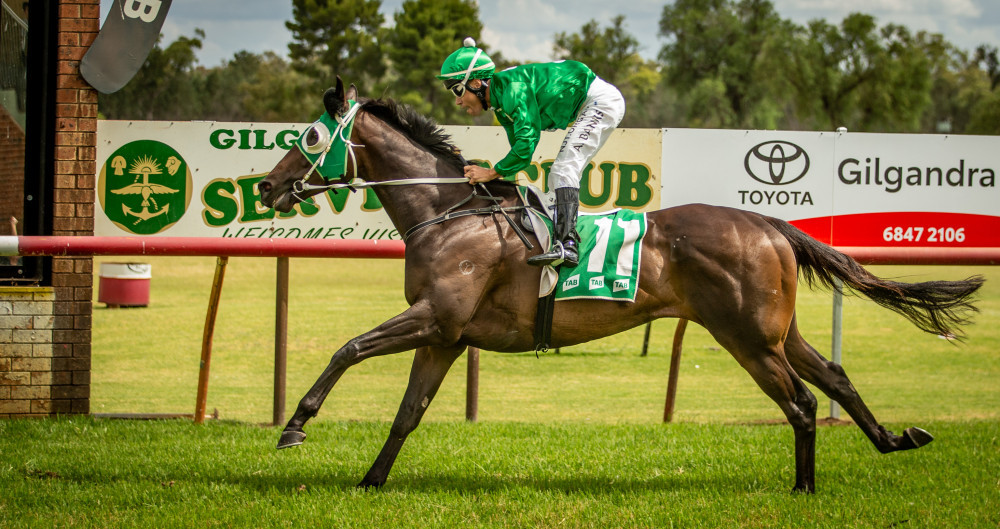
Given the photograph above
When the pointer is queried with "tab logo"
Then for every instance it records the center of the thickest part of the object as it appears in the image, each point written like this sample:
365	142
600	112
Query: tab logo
620	284
596	283
572	281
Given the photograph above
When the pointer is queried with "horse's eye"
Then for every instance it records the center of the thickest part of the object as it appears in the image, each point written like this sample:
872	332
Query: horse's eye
316	138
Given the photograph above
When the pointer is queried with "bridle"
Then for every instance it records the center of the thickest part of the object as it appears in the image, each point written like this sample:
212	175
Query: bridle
342	132
324	146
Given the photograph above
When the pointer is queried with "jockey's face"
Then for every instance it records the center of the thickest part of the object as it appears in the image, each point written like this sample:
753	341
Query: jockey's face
469	101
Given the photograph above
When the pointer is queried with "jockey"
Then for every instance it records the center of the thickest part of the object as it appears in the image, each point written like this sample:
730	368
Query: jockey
527	99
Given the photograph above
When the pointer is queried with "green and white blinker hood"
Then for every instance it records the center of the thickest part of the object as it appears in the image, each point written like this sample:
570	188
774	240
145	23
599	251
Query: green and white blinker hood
327	150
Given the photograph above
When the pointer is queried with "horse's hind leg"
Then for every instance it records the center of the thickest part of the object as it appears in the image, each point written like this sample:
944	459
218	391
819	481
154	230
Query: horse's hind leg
430	365
831	379
774	376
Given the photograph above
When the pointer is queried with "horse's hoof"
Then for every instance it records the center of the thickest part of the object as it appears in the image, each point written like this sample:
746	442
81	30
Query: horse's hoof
291	438
369	485
917	436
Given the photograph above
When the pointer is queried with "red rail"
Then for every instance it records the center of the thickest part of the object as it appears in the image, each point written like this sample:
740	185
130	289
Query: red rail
208	246
922	255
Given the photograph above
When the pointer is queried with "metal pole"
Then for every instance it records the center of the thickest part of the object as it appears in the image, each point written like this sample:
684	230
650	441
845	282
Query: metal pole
675	367
838	325
280	340
206	341
645	340
472	386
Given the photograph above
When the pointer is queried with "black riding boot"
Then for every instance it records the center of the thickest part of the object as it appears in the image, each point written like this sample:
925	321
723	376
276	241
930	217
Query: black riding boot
566	239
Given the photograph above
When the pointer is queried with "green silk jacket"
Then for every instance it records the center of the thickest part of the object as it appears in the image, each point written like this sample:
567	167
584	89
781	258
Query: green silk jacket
531	98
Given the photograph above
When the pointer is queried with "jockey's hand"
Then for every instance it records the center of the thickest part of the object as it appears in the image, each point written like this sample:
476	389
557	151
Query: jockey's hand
478	175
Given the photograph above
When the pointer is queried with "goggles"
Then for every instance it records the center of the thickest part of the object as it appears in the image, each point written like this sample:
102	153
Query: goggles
458	88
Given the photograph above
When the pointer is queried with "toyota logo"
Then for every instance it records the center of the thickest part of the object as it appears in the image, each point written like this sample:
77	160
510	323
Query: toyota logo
776	163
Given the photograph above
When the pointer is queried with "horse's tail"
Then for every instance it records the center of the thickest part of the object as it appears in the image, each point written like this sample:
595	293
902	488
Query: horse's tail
937	307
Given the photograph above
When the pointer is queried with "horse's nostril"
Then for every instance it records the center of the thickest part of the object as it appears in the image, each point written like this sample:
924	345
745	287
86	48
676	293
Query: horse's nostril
264	186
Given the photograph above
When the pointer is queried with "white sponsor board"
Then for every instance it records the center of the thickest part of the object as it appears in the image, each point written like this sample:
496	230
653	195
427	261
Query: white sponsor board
848	189
197	179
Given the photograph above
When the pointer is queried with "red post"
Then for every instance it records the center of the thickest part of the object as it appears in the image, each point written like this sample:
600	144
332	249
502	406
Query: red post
206	341
280	340
472	386
675	368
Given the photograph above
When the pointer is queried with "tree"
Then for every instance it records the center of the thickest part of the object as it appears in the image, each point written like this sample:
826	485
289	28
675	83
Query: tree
987	56
426	32
858	76
337	37
724	57
899	91
612	53
279	93
162	88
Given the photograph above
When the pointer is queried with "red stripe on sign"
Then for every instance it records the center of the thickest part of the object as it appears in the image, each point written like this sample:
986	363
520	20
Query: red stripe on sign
905	229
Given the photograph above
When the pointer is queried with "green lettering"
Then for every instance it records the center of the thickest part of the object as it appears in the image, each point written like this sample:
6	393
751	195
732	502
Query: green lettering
245	139
531	171
282	139
337	198
633	186
215	139
546	169
259	139
221	206
371	201
586	197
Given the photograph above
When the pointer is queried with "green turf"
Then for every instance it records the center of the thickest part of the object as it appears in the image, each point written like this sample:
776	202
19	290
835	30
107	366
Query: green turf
563	440
146	360
84	472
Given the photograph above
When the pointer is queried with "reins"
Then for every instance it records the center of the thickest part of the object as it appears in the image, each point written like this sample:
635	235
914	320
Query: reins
344	123
494	208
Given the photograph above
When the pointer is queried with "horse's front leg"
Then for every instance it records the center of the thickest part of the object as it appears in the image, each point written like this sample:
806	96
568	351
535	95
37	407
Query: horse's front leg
430	365
414	328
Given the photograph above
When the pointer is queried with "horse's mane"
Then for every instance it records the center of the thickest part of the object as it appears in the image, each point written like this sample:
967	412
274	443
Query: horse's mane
421	129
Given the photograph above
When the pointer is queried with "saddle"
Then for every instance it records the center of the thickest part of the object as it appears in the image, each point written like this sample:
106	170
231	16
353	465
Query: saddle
609	250
610	258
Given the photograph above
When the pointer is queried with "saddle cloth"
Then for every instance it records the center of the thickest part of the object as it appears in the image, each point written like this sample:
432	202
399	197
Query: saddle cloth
610	255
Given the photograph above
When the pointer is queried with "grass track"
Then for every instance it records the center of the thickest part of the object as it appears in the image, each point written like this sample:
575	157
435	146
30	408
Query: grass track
225	474
569	440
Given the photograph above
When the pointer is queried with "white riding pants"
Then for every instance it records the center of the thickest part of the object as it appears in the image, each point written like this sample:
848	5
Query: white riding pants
601	112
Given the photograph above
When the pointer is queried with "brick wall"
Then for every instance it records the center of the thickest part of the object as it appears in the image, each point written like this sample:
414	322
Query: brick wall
55	376
11	171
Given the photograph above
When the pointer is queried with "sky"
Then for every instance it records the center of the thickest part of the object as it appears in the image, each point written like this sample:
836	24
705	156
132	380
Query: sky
259	25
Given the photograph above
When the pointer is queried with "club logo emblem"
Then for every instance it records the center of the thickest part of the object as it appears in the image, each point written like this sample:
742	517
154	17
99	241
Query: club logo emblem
144	187
776	163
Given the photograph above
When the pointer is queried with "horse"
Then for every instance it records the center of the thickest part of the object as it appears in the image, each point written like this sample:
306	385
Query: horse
467	284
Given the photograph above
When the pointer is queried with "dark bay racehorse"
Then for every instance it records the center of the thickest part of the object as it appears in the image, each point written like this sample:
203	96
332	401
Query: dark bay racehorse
467	284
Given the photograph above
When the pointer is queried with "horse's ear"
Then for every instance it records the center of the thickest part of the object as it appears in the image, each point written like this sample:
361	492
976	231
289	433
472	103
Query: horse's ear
334	99
352	93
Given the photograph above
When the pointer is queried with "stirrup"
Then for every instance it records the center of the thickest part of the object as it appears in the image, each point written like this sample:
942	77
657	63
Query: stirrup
555	257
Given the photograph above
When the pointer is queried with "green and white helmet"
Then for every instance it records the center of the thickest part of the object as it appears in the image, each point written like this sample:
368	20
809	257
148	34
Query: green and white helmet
467	62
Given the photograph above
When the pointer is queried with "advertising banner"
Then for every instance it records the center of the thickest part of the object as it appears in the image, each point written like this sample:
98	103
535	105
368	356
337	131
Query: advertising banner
198	179
845	189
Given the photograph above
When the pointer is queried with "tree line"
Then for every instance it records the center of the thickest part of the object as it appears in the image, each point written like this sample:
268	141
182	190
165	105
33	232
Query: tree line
724	64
